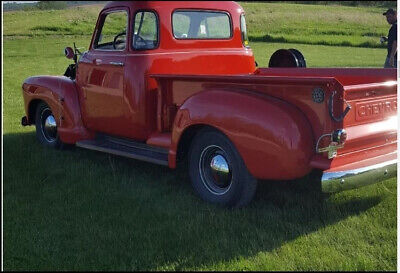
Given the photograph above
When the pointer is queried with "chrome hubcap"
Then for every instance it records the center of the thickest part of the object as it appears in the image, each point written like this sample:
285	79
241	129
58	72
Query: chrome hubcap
215	170
220	169
49	125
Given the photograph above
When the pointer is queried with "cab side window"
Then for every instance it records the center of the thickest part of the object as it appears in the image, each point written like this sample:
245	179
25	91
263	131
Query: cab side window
112	33
145	30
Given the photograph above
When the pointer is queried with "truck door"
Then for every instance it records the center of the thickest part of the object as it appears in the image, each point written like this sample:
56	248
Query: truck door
101	74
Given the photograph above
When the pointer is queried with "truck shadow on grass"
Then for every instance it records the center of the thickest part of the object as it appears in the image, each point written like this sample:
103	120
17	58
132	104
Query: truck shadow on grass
85	210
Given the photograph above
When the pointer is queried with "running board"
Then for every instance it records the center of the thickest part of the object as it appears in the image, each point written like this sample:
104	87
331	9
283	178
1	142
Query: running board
126	148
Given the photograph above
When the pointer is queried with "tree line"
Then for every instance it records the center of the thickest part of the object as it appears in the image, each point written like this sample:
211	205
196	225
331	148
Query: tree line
46	5
384	4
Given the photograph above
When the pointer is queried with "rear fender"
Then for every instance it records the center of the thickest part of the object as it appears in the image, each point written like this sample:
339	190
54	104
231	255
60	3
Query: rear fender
274	138
61	94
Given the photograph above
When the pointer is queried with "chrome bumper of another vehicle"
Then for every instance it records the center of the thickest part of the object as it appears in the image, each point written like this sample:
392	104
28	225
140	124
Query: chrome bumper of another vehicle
351	179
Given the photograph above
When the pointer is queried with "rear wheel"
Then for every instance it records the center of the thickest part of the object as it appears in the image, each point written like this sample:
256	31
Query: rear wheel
46	127
217	171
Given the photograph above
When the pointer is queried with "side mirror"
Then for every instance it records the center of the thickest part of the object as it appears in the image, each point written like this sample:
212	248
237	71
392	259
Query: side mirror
69	53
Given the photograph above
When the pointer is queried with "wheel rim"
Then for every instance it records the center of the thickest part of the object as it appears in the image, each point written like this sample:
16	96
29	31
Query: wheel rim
49	125
215	170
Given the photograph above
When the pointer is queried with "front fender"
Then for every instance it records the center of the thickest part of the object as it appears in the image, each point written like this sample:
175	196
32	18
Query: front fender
273	137
61	94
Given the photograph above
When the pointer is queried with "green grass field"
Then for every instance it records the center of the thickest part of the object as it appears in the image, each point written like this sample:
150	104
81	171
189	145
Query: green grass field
82	210
316	24
272	22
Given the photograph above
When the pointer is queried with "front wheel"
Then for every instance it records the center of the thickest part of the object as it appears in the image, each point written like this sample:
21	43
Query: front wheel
46	127
217	171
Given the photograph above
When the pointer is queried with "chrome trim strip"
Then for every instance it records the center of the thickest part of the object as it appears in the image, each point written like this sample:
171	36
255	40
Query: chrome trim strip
351	179
186	52
117	63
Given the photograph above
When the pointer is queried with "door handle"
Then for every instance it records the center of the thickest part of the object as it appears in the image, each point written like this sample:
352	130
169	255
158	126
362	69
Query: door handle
117	63
97	61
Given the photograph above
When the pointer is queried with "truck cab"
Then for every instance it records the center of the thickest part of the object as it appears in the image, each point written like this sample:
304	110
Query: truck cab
133	40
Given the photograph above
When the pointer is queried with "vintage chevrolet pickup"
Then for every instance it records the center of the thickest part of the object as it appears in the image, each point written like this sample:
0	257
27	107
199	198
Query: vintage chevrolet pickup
171	81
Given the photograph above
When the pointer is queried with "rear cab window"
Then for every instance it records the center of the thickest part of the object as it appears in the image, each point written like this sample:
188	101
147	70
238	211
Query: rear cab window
202	25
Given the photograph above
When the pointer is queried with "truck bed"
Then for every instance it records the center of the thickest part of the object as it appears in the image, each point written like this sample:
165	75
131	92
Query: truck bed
371	123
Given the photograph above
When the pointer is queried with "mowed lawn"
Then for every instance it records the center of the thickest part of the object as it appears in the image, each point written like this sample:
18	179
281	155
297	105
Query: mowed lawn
83	210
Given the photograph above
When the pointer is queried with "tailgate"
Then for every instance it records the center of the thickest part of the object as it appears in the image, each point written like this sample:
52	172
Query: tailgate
373	119
371	124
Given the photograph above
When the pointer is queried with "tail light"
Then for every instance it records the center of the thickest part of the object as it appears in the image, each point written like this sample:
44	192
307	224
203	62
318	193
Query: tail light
339	136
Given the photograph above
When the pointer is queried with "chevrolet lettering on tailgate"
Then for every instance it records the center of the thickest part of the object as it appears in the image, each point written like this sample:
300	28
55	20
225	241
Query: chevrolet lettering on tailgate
374	109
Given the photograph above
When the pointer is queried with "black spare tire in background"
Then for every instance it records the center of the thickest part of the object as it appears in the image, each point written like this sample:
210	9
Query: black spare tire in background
287	58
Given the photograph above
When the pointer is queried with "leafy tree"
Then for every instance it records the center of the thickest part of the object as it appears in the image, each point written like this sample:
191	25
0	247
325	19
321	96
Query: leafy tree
46	5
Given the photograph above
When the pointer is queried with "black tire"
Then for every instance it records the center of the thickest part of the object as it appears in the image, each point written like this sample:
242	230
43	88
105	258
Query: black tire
235	188
300	57
46	135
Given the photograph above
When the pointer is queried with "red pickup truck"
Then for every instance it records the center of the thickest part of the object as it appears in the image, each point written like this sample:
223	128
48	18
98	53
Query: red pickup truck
170	81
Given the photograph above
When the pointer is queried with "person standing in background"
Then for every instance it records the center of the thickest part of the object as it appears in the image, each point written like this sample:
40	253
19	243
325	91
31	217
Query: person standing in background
391	58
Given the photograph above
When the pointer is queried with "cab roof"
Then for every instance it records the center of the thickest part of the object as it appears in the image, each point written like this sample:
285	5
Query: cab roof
217	5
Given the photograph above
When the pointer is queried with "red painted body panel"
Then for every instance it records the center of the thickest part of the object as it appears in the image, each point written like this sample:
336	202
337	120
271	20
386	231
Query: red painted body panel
61	95
267	113
346	76
273	137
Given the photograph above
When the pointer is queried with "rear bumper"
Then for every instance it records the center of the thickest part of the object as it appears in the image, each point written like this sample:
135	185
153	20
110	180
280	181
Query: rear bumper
355	178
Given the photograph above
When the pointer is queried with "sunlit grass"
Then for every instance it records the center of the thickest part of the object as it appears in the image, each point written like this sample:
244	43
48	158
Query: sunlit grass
315	24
